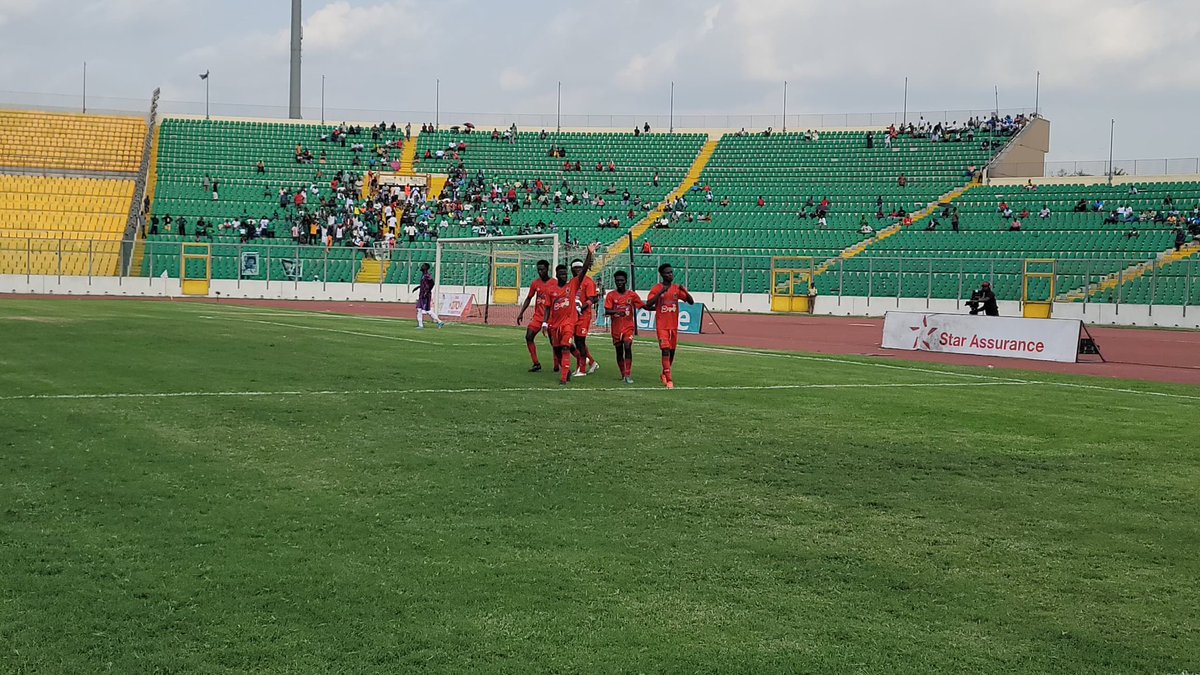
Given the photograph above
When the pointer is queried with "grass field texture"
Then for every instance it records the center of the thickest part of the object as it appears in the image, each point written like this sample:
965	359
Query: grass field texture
202	488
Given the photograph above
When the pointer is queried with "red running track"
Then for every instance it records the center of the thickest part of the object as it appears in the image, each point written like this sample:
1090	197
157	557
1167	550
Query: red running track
1132	353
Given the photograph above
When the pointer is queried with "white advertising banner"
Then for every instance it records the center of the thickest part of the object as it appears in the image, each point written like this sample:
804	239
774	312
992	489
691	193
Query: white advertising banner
454	304
1040	339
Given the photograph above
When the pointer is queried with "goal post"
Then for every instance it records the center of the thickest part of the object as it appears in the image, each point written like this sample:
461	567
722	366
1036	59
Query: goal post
484	279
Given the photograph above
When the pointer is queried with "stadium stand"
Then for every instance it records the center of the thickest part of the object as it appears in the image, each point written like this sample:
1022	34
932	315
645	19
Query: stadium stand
635	162
80	143
191	153
65	224
792	174
1086	245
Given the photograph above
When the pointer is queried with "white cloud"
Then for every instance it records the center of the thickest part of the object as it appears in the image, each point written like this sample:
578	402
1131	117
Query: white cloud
514	79
343	26
663	58
11	10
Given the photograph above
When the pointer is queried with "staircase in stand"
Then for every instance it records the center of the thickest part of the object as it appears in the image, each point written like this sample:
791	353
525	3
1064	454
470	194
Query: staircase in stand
1130	273
643	225
887	232
372	271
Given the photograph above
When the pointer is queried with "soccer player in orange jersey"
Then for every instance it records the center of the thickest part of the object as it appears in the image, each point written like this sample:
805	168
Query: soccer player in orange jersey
588	297
622	305
565	310
541	288
664	300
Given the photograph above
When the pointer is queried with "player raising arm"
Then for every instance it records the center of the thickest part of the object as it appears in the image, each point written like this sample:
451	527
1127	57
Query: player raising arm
664	300
588	297
621	305
542	287
564	312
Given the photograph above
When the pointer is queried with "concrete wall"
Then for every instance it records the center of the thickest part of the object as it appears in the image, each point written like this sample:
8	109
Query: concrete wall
1166	316
1025	155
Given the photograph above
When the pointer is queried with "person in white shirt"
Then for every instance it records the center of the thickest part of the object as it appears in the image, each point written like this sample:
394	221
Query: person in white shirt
391	221
1045	212
410	231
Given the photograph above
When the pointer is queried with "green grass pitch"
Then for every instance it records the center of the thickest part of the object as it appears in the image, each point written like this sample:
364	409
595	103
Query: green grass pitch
210	489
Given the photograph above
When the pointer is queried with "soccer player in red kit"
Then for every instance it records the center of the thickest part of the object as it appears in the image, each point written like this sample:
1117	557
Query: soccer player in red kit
664	300
622	306
565	308
541	288
588	297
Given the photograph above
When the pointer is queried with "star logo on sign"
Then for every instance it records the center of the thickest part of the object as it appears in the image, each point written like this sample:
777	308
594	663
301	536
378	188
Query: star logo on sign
923	334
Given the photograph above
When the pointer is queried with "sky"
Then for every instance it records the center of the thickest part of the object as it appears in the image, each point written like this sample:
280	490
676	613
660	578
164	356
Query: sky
1134	61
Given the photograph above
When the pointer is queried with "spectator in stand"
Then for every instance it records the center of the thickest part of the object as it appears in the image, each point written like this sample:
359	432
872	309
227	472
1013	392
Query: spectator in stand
1029	185
1014	226
954	221
1024	215
1180	237
1045	212
646	248
902	181
870	139
1081	206
761	202
864	227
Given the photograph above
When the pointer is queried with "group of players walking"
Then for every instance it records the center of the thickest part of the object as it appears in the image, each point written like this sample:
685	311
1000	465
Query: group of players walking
565	306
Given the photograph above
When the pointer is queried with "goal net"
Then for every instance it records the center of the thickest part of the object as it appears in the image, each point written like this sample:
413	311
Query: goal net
485	279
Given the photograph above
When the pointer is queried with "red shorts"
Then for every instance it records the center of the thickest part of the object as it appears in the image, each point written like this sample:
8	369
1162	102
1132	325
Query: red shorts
668	338
583	324
539	318
562	335
622	335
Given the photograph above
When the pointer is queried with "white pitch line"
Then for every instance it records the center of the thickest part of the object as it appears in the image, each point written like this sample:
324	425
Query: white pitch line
333	330
752	352
990	378
486	390
848	362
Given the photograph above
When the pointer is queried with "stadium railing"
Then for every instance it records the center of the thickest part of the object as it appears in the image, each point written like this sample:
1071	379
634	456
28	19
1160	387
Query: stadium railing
1101	279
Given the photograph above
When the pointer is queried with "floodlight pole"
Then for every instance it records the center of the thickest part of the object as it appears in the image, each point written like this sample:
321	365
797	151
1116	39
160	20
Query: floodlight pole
904	118
294	84
322	99
437	103
560	106
1112	130
671	126
208	76
85	87
785	106
1037	94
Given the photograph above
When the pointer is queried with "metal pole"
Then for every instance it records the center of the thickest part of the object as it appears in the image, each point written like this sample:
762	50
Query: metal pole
672	116
85	87
904	119
206	96
437	104
1112	130
1037	94
997	100
785	106
294	83
559	116
322	99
